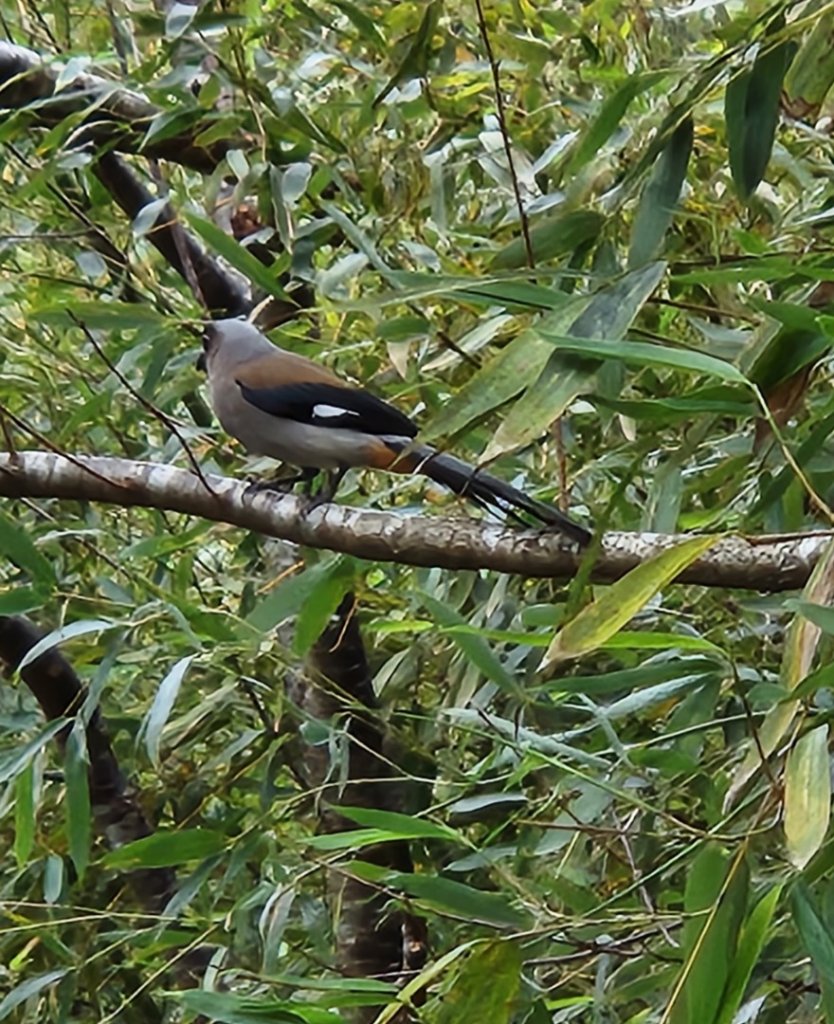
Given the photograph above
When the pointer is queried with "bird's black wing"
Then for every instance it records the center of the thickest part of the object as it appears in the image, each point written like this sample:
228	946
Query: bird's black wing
329	405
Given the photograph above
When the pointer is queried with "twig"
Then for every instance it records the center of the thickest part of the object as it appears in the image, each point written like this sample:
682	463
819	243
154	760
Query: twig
502	124
149	406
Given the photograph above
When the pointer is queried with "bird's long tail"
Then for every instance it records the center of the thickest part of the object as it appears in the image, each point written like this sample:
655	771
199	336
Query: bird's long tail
482	488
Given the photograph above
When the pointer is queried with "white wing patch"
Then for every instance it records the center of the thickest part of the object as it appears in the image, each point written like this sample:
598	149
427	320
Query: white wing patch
324	412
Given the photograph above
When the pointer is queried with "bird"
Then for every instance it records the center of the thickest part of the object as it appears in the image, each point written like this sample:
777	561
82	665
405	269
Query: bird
285	406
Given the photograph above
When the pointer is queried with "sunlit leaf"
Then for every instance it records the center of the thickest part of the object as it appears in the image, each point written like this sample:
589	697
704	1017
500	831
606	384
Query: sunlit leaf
807	795
620	602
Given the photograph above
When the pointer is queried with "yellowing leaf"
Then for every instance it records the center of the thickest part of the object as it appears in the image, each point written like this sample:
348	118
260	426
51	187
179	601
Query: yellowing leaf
807	796
800	648
617	605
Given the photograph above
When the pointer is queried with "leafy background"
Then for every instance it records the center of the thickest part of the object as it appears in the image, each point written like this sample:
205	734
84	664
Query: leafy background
598	840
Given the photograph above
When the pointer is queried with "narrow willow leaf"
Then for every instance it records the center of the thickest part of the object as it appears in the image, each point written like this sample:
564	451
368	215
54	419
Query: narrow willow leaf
562	376
161	708
714	904
611	114
391	821
505	376
16	544
24	814
660	196
550	237
751	110
485	986
28	989
78	811
811	74
807	795
816	938
166	849
225	1008
58	636
321	601
751	941
799	650
446	896
239	257
476	649
641	354
620	602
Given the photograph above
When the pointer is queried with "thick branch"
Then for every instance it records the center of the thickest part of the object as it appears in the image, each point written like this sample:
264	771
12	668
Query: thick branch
452	543
119	117
222	292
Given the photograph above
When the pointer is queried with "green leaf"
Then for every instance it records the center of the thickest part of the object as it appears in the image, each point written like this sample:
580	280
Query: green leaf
225	1008
239	257
799	649
321	601
751	940
608	120
28	989
24	814
103	316
393	822
811	73
640	354
16	545
562	377
447	897
17	760
550	237
620	602
58	636
78	810
485	987
502	378
166	849
660	196
807	795
714	904
751	110
474	647
290	596
161	708
818	941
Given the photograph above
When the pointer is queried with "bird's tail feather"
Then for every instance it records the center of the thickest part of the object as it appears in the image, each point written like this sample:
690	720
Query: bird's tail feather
483	488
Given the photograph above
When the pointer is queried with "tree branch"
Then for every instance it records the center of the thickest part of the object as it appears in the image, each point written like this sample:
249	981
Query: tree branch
118	117
769	564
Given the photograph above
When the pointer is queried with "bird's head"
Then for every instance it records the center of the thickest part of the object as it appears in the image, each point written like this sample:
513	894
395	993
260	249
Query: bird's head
236	341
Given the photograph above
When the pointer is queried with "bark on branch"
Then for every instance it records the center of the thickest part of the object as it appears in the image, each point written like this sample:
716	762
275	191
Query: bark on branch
455	542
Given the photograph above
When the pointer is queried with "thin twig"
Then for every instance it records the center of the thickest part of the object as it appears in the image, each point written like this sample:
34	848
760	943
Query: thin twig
149	406
6	412
502	124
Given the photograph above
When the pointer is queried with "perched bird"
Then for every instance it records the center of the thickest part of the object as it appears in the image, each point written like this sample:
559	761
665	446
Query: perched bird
285	406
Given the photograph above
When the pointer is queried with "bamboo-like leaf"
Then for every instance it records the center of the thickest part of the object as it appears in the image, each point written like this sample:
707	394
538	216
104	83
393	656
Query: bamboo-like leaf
162	706
620	602
561	377
751	110
751	940
714	903
485	986
239	257
817	940
807	795
166	849
660	196
78	811
799	651
550	237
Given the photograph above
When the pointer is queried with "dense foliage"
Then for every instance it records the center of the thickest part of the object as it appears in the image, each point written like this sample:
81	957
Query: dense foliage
594	832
